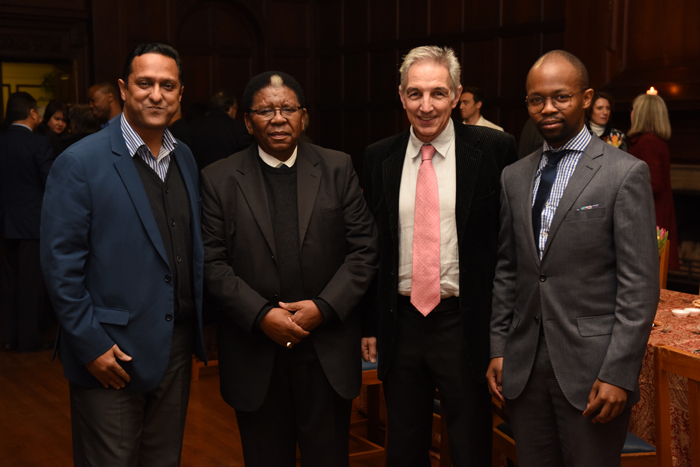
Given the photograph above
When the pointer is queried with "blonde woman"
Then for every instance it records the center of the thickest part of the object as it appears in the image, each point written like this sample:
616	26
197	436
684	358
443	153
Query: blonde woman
647	141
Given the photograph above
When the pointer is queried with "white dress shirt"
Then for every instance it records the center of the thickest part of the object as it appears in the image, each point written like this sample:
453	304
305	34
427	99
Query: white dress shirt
272	161
445	165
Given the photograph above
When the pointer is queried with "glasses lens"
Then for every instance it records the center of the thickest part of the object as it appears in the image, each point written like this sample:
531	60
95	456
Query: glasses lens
288	111
561	102
535	104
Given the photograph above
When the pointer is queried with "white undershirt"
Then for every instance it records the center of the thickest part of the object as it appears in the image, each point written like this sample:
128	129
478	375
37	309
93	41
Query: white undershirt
445	165
272	161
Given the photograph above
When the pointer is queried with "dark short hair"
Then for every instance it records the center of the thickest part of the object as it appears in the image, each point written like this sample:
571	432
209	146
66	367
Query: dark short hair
53	107
82	120
19	104
222	100
152	48
107	88
572	59
474	91
264	80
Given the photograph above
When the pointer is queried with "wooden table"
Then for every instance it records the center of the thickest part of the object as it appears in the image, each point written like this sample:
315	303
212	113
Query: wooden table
680	336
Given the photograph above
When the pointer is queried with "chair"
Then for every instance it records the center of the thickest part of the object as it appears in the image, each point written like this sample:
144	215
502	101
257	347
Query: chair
635	453
663	265
376	436
669	360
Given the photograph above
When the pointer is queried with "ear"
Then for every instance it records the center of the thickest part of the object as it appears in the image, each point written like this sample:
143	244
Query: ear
248	123
182	89
457	96
303	119
403	102
479	104
587	98
122	89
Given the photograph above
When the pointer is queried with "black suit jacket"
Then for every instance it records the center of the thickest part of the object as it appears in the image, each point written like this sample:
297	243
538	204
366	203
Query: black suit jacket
338	252
216	136
481	154
25	162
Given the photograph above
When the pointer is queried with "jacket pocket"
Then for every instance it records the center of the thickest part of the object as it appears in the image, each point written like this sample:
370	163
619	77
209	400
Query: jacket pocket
600	325
111	315
585	215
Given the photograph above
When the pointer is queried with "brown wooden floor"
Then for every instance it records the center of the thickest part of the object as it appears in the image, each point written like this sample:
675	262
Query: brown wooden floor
35	418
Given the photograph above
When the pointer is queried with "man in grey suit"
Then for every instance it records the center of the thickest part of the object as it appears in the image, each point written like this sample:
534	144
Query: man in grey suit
576	284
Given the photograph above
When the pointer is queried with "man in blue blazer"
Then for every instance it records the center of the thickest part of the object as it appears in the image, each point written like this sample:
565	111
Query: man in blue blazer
122	255
25	162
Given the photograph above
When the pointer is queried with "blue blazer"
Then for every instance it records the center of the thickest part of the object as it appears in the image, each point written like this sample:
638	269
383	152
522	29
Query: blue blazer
105	263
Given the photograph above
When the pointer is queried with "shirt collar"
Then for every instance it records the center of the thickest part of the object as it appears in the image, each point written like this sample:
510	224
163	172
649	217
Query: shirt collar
274	162
576	144
134	141
22	124
441	144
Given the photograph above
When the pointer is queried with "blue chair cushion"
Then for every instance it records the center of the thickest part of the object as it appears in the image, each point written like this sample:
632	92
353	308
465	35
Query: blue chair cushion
366	366
634	444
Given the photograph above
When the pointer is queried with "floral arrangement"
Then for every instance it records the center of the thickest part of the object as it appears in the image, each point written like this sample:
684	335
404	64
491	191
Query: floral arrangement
661	237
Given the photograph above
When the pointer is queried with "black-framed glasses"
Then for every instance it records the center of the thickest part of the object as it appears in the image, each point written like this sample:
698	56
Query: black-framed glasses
269	114
535	104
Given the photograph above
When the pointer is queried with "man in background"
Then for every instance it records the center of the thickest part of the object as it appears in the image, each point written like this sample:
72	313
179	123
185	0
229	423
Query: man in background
470	108
218	134
103	99
25	161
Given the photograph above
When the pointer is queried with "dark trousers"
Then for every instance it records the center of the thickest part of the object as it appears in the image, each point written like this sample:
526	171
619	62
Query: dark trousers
24	294
121	427
550	432
431	352
300	406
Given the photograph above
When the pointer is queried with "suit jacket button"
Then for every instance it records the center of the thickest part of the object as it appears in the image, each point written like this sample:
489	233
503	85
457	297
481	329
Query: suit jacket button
169	317
537	319
543	278
168	278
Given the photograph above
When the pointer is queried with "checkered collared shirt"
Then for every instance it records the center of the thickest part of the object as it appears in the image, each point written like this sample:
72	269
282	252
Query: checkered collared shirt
565	169
135	144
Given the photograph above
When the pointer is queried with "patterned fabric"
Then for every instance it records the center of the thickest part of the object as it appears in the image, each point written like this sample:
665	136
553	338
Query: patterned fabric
425	282
642	422
135	145
565	169
614	137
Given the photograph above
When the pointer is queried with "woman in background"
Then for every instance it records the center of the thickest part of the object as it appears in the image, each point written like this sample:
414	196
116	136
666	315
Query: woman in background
647	141
599	122
55	123
82	123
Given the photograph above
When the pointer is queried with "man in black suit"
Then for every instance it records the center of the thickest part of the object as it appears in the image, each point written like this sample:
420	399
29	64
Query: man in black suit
438	224
25	161
290	249
219	134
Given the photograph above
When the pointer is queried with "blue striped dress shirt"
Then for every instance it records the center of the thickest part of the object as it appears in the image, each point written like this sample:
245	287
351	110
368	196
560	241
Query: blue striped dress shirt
135	145
574	148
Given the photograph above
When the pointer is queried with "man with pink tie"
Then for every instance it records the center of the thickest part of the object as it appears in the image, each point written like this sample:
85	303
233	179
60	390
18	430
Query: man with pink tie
434	192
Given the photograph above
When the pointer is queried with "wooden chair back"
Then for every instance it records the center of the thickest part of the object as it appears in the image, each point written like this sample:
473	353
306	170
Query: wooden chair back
669	360
663	265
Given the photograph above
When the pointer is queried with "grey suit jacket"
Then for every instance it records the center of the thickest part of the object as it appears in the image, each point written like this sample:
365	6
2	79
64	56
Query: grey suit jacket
597	287
338	252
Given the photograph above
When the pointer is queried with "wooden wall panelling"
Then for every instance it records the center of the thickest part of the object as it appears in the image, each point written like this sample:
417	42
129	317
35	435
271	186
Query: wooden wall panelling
480	15
383	21
445	17
413	19
44	31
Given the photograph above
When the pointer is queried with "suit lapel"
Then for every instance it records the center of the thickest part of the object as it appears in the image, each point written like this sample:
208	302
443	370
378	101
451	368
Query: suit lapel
587	167
528	185
392	167
134	186
253	188
308	182
468	167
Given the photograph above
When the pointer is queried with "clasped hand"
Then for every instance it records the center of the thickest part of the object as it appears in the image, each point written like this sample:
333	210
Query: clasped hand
291	322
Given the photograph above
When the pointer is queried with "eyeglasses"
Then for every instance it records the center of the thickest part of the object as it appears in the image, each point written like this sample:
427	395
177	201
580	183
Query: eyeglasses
269	114
535	104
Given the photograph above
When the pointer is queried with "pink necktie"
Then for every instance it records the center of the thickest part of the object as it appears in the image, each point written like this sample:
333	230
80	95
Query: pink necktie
425	282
